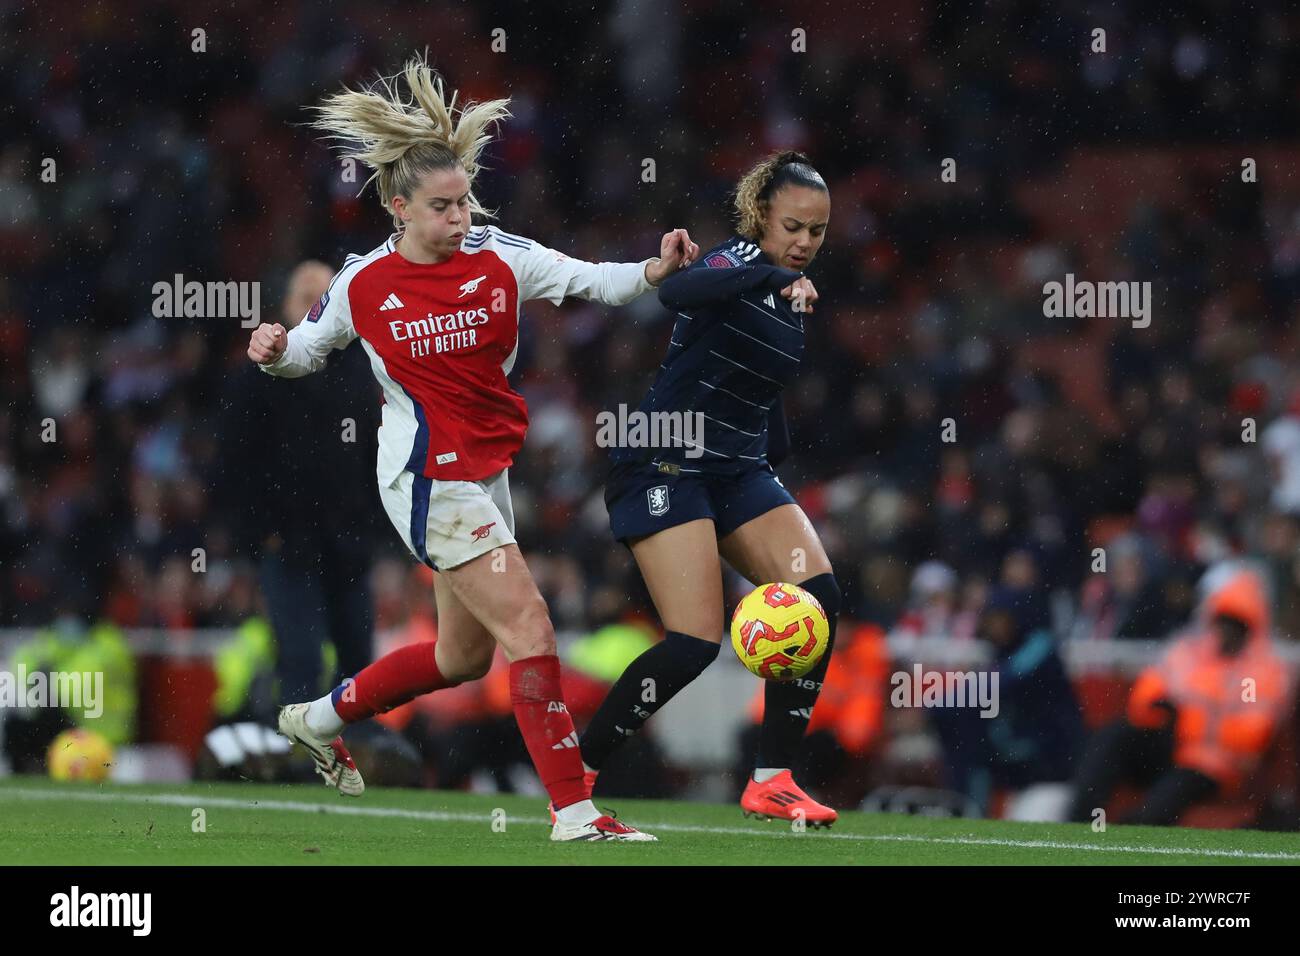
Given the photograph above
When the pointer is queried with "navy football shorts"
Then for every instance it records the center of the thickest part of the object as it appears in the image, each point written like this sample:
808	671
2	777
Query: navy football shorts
643	500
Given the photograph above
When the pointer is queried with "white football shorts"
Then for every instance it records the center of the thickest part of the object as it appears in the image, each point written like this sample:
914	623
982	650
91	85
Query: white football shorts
446	523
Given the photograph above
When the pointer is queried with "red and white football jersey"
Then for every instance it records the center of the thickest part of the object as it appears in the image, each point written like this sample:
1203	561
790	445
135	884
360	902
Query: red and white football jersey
442	338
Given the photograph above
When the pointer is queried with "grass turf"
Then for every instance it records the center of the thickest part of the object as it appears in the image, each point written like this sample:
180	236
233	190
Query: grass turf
44	823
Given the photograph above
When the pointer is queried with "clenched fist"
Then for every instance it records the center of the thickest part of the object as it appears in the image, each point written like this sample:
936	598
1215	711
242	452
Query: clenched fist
802	294
267	343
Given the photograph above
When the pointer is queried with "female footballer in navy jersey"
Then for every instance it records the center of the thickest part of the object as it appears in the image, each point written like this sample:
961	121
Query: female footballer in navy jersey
436	307
737	340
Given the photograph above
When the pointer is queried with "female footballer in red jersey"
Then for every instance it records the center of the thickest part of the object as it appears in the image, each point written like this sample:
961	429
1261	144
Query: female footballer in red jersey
436	307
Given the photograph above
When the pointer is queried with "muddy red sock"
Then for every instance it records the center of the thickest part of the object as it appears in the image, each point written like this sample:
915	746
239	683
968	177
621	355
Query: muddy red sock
389	682
547	728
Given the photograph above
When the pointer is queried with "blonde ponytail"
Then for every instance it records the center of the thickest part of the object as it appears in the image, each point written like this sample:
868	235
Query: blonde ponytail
403	137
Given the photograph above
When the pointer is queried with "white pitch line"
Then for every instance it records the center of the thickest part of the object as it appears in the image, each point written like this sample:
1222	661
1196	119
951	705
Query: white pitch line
443	816
228	803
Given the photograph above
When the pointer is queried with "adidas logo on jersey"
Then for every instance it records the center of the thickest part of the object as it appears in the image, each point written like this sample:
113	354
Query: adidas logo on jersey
747	251
470	287
567	743
770	301
392	302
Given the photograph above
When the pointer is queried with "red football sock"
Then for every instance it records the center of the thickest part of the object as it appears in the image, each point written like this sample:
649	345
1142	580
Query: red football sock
547	728
389	682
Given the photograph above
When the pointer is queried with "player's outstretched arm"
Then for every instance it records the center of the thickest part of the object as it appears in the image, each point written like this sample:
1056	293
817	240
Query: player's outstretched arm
720	276
547	274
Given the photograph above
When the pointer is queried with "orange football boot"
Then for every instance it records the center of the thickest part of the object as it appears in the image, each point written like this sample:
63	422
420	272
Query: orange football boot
781	799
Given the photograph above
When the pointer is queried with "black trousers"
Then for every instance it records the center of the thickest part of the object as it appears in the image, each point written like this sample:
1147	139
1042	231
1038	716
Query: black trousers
311	600
1121	753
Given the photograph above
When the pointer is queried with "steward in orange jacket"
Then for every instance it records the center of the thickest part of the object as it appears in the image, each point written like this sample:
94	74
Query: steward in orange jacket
1198	721
1225	687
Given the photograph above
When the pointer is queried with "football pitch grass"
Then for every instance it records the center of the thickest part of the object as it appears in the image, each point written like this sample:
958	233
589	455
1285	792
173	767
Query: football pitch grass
44	823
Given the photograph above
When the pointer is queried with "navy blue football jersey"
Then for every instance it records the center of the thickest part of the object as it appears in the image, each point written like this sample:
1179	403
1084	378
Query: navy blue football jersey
735	345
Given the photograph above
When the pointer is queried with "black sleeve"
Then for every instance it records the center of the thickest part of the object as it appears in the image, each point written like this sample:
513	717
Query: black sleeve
702	284
778	434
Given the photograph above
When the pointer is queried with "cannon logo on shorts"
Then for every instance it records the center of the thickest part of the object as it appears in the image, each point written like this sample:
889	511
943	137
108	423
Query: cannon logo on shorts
482	531
657	497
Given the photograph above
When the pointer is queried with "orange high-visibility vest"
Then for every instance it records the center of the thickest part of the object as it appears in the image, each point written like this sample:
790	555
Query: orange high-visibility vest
1228	707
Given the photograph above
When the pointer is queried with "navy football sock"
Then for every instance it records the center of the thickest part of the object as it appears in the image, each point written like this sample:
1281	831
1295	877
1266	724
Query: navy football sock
649	682
788	705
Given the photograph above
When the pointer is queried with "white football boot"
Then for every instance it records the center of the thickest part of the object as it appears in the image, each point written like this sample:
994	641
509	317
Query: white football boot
333	762
601	828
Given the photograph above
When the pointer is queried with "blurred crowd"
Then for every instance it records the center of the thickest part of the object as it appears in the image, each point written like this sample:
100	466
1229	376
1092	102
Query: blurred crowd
1170	447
